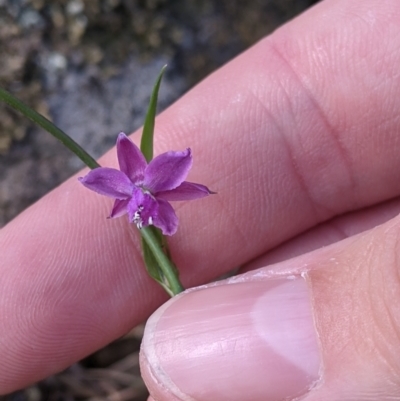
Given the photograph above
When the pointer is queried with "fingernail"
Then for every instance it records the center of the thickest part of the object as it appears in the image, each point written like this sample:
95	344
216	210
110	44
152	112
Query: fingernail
253	340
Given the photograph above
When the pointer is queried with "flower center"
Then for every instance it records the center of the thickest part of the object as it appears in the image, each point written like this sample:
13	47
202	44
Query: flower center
137	218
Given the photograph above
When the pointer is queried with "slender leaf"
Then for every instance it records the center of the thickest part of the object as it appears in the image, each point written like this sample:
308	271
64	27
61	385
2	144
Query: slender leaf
156	253
38	119
146	144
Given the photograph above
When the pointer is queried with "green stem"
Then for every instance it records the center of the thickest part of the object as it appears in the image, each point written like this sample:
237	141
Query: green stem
165	264
49	127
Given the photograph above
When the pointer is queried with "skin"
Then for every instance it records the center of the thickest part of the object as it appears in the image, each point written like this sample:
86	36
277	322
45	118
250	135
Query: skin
300	137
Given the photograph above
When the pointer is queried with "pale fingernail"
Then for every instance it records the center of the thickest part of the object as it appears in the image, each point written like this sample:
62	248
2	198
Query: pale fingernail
255	339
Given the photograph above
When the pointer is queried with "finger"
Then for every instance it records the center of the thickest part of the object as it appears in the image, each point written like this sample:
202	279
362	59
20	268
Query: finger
284	146
322	326
328	233
311	160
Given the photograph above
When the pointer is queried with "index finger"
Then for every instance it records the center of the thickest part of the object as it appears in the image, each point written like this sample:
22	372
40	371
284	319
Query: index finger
287	137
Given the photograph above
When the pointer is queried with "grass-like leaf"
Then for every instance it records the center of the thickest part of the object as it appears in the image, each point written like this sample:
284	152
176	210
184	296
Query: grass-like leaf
156	253
146	144
43	122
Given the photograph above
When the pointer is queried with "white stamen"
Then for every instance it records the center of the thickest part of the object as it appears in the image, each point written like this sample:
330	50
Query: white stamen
150	220
137	219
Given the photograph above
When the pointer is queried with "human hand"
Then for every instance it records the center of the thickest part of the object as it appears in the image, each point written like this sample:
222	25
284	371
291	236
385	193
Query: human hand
299	130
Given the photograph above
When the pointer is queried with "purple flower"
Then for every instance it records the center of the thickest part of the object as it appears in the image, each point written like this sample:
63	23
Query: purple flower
143	190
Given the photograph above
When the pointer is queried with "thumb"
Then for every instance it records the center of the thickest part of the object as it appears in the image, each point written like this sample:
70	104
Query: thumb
324	326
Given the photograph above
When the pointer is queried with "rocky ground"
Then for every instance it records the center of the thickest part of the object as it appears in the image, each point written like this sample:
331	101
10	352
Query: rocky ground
89	65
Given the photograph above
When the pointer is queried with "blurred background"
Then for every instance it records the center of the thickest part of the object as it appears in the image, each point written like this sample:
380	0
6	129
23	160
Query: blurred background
89	66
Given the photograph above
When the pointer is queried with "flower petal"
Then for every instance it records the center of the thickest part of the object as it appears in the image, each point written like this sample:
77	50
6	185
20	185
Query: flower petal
130	158
167	171
142	208
119	208
109	182
185	191
166	219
